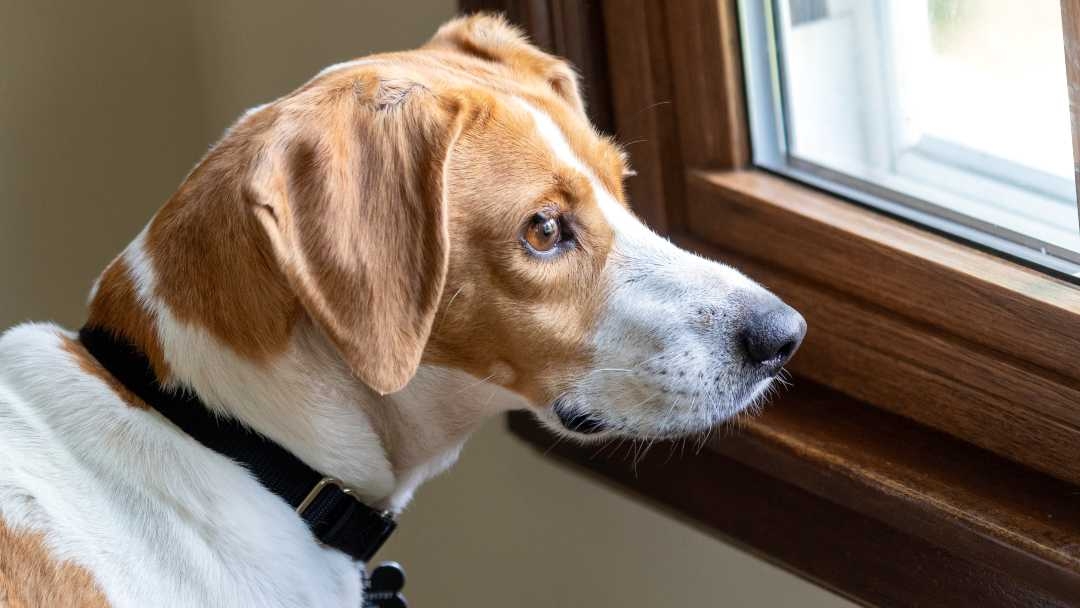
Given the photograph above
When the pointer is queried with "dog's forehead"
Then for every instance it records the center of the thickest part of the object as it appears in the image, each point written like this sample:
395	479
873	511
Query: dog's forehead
574	142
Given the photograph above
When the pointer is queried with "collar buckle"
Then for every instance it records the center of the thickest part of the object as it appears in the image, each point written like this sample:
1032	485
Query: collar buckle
324	483
344	521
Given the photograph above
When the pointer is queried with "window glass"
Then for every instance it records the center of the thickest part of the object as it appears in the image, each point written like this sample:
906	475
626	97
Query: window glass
956	110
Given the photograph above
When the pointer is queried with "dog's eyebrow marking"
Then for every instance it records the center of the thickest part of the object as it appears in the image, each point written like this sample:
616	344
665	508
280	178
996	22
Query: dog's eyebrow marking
555	139
625	225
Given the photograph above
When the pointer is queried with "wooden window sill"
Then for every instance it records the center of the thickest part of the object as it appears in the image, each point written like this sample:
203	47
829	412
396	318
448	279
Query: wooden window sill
864	502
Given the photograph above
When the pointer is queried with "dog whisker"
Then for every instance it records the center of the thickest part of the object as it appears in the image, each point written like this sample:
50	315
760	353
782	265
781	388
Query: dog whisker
490	398
454	297
603	447
652	106
785	382
671	451
646	400
473	385
611	369
558	440
704	440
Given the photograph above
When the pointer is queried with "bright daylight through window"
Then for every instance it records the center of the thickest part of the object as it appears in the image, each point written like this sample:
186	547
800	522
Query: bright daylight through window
952	113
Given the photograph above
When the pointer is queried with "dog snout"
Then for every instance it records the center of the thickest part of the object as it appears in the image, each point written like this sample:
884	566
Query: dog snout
772	333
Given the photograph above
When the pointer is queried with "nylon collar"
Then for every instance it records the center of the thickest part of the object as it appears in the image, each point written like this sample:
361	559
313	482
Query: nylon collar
333	513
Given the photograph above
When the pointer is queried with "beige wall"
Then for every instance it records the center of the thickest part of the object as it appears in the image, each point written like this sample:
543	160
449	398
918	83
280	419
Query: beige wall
105	105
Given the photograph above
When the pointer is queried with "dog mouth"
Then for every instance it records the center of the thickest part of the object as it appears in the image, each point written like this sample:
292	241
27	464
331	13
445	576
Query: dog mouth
748	396
578	421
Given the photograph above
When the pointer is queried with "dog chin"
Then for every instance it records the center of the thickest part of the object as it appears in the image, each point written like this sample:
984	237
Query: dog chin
754	394
588	425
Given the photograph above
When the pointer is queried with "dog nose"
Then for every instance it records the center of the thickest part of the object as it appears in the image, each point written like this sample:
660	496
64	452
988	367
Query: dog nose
773	333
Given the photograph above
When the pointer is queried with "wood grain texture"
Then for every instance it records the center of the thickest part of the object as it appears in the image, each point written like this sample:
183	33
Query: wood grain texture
643	109
943	334
942	490
1070	28
580	36
866	503
706	70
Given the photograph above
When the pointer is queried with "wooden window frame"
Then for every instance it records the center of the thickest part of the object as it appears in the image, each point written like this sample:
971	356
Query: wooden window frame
921	339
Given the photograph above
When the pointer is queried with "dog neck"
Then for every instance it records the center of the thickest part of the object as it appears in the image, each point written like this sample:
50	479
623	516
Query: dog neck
303	396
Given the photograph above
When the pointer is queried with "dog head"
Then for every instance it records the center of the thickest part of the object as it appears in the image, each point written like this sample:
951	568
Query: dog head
453	206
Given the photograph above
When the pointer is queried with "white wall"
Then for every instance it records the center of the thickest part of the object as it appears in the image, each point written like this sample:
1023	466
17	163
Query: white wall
105	105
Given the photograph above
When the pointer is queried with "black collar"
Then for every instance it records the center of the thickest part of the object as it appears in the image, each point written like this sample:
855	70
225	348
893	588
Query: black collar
334	514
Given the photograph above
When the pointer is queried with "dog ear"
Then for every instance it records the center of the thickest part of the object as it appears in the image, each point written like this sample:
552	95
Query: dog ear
492	38
350	192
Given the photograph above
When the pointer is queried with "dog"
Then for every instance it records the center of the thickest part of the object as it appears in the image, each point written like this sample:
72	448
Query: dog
346	274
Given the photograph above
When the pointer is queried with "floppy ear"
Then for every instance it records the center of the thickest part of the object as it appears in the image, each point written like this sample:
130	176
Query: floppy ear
350	193
492	38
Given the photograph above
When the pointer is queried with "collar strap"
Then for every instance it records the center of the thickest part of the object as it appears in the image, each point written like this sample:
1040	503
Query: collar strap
333	513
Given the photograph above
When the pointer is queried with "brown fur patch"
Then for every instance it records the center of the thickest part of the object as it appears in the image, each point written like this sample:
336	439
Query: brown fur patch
350	199
116	307
491	38
211	259
91	366
30	578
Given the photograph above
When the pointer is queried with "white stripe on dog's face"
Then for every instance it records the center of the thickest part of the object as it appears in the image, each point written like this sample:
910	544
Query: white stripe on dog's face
668	357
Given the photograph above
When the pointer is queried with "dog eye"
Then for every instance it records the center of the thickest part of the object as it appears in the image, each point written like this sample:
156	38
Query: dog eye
543	232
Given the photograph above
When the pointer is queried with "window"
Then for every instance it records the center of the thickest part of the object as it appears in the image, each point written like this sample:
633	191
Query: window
950	113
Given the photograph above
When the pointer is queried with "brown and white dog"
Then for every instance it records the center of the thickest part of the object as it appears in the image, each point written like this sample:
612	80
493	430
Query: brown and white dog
350	271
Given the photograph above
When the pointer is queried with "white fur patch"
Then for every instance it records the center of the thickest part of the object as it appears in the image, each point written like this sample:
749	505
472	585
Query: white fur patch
125	495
